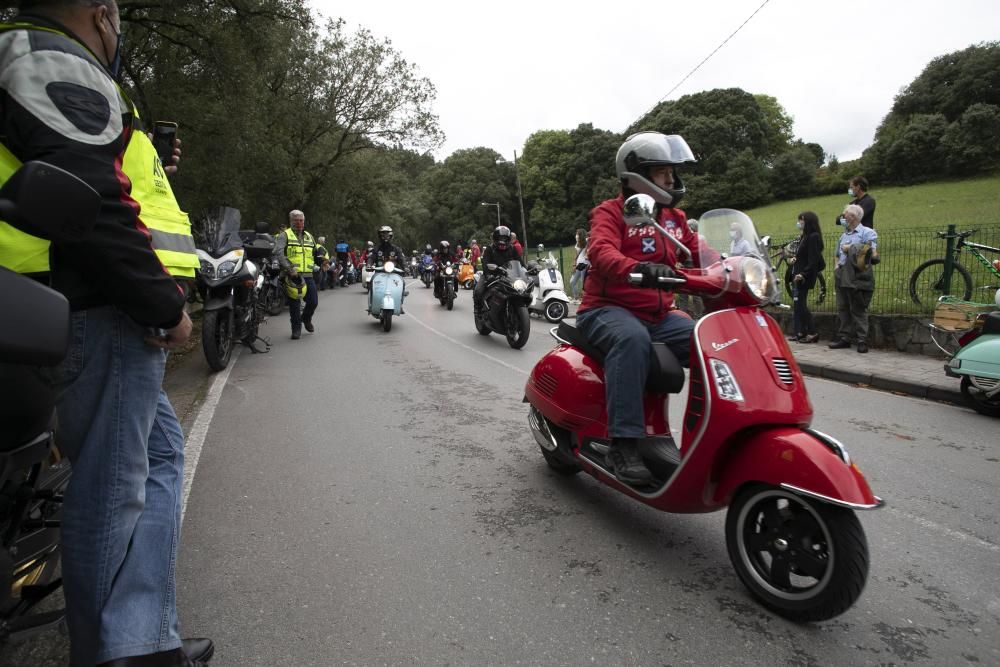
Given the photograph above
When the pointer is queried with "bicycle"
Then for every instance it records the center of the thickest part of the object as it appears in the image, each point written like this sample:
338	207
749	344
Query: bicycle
785	254
927	282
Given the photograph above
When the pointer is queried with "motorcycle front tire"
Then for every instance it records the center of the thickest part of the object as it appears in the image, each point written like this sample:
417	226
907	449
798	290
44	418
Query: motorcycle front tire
518	326
386	320
217	338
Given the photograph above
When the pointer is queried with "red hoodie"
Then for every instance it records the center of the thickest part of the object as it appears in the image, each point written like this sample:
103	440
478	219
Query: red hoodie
614	251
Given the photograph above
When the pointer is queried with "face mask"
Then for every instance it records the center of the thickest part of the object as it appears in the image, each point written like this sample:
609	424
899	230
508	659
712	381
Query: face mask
799	225
850	192
734	235
115	66
842	221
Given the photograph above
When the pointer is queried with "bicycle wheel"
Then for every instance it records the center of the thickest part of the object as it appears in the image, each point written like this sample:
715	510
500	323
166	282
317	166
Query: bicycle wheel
927	282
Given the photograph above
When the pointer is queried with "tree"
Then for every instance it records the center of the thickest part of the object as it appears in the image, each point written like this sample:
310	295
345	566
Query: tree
793	173
952	83
779	125
972	143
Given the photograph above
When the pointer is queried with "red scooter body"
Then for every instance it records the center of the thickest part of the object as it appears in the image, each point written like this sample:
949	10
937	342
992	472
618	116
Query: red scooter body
745	439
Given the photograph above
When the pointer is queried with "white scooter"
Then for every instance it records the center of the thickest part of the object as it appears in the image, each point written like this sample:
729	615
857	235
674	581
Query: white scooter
549	295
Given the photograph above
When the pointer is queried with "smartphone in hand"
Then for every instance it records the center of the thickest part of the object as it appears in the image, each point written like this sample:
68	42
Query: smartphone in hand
164	133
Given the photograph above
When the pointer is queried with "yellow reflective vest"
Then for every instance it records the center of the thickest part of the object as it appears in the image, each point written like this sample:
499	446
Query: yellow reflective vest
300	253
168	225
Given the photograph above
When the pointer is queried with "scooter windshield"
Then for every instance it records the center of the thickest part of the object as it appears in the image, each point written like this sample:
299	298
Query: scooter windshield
728	232
222	231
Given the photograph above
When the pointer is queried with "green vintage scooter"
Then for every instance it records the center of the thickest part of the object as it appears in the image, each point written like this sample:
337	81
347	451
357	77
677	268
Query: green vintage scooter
977	363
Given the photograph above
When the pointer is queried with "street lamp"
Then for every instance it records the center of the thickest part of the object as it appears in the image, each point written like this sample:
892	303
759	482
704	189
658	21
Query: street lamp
497	204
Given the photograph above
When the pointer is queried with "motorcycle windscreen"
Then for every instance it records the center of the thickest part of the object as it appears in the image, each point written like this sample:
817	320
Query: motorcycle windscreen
221	232
726	231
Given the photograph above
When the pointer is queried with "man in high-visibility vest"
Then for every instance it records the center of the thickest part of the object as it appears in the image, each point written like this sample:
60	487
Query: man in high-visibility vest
294	251
120	522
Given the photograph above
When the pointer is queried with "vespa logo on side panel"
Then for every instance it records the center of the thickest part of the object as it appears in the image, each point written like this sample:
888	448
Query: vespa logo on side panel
719	347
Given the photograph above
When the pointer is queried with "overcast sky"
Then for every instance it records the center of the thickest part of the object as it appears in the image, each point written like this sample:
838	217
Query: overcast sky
506	69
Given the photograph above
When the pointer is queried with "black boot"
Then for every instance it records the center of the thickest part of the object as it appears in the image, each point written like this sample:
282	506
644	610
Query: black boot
624	460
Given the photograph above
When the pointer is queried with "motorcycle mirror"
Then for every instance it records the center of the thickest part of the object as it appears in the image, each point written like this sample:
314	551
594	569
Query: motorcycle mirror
640	210
491	267
49	202
766	241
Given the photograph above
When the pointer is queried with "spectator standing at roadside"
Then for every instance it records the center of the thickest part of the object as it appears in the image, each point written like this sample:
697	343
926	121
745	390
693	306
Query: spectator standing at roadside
474	253
808	264
580	266
121	513
858	188
855	282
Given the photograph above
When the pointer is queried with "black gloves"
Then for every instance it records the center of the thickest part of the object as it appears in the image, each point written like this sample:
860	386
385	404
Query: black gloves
651	273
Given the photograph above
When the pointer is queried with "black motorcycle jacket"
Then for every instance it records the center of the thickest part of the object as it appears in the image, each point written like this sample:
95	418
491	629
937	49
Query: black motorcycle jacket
59	104
383	252
493	255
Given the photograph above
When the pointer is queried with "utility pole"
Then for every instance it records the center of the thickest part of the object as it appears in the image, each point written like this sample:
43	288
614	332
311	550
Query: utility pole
520	201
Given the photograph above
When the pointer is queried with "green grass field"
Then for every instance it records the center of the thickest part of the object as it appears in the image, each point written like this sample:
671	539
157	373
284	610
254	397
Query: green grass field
967	204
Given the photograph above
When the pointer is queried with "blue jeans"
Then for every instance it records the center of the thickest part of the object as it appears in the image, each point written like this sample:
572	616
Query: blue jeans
627	340
300	312
122	512
576	282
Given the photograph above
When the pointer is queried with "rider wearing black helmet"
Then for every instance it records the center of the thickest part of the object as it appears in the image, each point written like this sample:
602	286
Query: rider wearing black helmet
386	249
498	253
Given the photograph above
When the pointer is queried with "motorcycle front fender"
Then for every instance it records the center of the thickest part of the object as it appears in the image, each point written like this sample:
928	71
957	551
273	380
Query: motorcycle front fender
219	302
388	303
803	462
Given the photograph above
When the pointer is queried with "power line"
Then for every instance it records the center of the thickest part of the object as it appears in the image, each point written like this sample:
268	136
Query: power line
698	66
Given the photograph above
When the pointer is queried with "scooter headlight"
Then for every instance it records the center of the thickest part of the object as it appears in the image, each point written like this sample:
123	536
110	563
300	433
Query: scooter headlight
227	269
757	278
520	285
389	267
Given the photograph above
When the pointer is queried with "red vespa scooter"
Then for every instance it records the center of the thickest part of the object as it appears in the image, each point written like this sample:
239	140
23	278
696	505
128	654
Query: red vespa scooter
791	531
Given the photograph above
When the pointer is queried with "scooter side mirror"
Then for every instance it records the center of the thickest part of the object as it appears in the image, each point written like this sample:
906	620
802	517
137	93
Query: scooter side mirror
766	241
639	211
491	267
46	201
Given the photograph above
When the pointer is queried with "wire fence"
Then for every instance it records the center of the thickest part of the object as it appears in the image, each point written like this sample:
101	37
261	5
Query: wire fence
902	252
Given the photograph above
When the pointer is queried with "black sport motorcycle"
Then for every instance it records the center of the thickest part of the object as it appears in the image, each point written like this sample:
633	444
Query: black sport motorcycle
230	286
506	299
48	202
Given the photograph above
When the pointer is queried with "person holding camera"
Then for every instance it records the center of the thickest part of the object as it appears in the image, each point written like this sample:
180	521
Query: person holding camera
857	251
858	188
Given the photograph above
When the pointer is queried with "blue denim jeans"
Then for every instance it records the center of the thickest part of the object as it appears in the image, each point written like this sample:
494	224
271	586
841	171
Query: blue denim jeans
122	512
627	341
302	311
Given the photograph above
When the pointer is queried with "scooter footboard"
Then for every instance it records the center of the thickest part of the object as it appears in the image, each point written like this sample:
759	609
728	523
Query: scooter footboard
800	461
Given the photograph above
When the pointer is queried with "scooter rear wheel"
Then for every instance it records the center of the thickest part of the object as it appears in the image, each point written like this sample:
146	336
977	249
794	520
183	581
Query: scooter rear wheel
803	559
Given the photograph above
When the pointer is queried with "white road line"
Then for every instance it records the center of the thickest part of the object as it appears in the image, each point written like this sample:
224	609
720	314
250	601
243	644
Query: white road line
468	347
199	431
960	535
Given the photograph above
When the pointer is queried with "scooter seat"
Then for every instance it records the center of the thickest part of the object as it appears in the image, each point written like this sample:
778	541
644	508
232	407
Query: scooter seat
992	324
666	376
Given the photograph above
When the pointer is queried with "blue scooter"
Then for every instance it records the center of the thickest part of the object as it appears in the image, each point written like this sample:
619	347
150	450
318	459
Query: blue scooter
385	298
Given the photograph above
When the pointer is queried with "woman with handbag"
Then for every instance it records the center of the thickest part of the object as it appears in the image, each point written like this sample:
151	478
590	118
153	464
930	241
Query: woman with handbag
808	264
581	266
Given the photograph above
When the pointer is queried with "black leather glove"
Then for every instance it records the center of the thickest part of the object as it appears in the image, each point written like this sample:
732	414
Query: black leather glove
651	273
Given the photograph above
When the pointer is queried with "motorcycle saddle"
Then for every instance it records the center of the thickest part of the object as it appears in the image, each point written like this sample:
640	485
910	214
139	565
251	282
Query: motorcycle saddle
992	324
666	375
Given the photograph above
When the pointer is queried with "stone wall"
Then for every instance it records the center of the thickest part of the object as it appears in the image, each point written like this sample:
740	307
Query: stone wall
905	333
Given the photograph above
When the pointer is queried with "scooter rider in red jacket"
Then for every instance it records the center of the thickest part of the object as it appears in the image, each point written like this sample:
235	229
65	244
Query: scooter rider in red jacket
622	319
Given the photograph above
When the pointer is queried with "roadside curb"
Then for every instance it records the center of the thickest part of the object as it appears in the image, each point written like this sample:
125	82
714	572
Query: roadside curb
908	387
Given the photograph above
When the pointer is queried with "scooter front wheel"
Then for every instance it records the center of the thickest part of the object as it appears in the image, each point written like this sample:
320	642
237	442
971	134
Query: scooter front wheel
555	311
803	559
978	399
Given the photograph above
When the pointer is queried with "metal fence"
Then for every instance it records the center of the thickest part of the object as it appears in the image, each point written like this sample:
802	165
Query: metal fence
902	252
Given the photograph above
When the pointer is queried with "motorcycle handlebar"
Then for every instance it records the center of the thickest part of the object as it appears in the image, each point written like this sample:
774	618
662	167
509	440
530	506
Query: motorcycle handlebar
636	279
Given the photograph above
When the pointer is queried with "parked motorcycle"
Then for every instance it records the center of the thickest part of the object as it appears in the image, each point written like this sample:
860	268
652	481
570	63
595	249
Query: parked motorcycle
791	531
549	293
971	339
386	296
230	286
44	201
506	299
446	283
